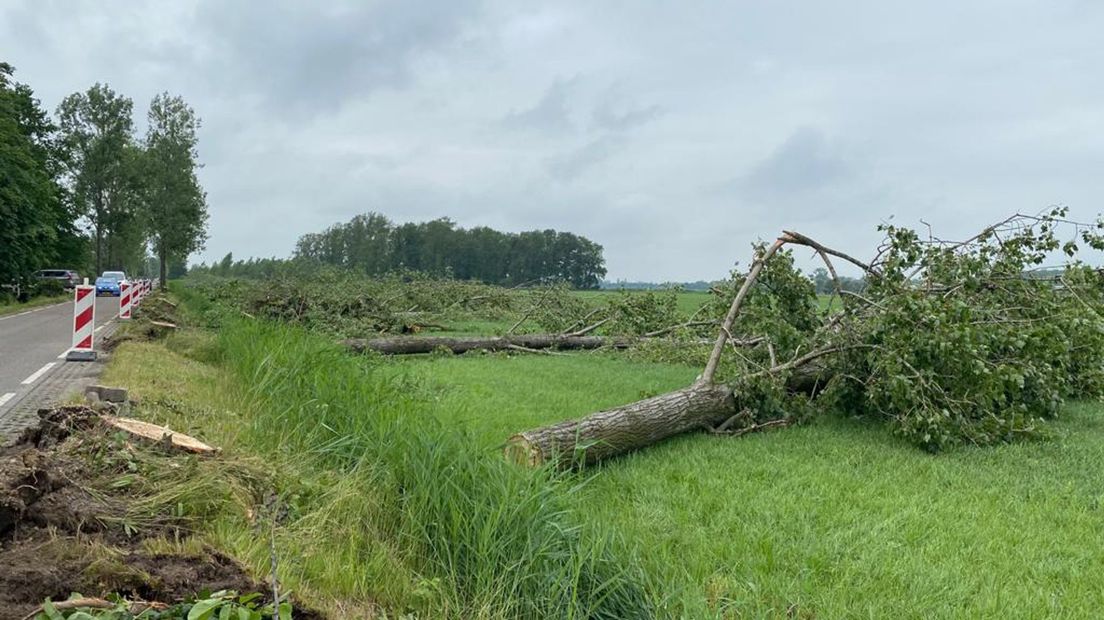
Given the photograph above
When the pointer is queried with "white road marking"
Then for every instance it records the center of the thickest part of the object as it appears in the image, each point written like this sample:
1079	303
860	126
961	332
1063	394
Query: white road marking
38	373
63	354
12	316
6	397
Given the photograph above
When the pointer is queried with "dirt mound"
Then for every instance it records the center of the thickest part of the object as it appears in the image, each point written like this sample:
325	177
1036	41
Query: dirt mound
43	563
60	534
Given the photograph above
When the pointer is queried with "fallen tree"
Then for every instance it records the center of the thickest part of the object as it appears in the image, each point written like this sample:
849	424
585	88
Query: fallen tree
636	425
409	345
428	344
712	407
951	342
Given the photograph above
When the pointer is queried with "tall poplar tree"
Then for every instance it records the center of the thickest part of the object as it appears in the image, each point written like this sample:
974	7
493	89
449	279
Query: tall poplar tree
175	203
96	131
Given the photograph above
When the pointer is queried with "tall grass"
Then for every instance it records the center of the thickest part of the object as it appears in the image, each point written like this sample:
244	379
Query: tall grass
490	540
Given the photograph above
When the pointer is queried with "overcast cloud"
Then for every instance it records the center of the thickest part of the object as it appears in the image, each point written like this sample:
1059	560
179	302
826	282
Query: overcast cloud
674	134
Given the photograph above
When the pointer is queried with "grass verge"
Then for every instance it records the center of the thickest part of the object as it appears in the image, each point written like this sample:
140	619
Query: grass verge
386	507
37	302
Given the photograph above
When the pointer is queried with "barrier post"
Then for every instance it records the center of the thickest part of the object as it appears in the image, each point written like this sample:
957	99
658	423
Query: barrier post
125	292
84	324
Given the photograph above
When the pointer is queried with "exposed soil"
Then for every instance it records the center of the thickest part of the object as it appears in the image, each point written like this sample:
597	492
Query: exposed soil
59	534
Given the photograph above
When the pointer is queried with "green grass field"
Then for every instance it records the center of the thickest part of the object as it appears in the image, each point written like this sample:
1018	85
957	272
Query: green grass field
836	519
688	301
390	509
403	502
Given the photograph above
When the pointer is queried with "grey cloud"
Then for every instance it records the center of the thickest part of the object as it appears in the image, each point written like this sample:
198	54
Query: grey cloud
552	113
307	57
571	165
608	117
676	148
806	161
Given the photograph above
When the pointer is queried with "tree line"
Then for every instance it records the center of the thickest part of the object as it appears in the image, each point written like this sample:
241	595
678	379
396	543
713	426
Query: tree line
372	244
81	190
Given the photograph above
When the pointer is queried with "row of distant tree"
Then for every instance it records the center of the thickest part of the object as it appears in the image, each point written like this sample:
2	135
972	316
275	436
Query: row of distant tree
372	244
81	190
822	280
637	285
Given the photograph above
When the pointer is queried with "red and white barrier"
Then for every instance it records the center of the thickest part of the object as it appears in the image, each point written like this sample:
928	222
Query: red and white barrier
84	324
125	294
137	296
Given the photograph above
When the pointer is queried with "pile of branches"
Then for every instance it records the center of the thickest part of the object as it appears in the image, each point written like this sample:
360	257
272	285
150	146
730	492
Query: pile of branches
950	342
623	320
642	314
346	304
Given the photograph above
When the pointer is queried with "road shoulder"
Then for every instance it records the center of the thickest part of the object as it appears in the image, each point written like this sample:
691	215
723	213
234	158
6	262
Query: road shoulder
55	386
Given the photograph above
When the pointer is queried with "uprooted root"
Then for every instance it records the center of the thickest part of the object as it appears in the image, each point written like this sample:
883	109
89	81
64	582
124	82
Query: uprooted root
63	530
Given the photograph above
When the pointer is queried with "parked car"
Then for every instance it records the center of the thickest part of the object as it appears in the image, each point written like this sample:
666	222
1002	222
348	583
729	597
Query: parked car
106	285
67	277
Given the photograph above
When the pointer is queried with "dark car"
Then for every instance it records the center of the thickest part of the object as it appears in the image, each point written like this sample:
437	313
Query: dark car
67	277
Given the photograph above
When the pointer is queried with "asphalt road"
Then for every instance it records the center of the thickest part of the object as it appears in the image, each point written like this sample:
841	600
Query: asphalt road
34	343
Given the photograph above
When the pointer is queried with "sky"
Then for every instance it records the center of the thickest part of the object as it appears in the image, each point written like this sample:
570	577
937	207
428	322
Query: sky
675	134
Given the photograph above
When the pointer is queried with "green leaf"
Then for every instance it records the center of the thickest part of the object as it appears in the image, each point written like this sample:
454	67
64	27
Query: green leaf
203	610
249	598
50	611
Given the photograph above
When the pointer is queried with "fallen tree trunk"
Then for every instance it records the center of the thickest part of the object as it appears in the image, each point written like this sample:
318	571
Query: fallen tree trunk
408	346
622	429
702	406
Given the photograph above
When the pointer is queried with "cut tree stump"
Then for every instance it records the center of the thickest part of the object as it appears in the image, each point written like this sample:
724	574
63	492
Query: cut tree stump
160	434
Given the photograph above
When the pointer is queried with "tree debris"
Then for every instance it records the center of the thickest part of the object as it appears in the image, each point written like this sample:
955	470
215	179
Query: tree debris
160	434
951	342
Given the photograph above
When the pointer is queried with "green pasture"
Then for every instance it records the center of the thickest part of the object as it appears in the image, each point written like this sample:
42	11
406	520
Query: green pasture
836	519
400	501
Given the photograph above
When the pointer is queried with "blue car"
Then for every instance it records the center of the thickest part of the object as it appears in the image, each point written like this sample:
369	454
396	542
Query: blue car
107	286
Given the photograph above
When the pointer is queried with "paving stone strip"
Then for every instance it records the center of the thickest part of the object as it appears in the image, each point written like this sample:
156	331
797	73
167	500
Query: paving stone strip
67	378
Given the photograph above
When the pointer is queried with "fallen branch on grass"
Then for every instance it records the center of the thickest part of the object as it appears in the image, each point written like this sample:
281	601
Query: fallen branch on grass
408	345
428	344
134	608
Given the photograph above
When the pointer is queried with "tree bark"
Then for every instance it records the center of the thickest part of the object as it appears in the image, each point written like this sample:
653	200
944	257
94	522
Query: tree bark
703	405
623	429
408	346
601	435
